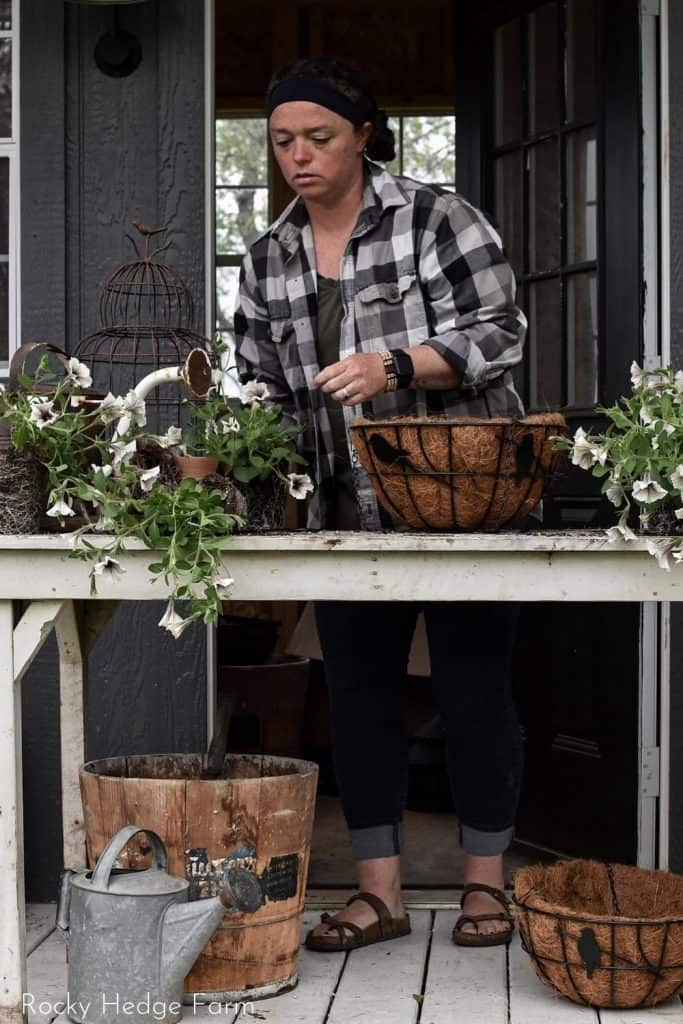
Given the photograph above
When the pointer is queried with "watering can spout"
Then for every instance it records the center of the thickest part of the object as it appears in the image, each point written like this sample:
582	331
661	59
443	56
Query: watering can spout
187	927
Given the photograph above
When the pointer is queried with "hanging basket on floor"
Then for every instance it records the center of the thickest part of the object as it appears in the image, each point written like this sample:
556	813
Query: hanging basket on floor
605	935
466	474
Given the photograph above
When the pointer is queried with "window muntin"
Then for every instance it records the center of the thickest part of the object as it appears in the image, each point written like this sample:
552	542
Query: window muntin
9	181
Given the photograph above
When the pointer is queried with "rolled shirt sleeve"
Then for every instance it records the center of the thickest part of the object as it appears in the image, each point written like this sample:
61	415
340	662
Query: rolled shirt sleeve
470	292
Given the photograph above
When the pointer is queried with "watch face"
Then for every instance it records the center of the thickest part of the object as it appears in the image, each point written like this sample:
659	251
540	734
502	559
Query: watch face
403	366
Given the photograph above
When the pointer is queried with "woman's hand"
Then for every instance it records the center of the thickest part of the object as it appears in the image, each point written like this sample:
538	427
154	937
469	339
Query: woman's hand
355	379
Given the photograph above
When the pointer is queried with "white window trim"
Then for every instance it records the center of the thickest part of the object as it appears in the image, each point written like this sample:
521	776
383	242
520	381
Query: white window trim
10	149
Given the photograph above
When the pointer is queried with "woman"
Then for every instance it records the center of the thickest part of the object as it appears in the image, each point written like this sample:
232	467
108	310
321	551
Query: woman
378	294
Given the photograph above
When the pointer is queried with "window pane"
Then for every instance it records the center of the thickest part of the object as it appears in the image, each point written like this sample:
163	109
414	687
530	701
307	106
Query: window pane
544	70
429	148
582	339
227	281
5	88
242	151
241	215
5	15
4	312
509	198
545	343
581	196
394	167
520	370
544	206
581	72
508	83
4	206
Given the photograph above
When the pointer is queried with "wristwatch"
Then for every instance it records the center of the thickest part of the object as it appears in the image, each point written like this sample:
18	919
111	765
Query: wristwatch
403	368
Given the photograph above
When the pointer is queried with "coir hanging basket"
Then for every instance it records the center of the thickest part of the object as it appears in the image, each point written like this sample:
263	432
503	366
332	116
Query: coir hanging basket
605	935
466	474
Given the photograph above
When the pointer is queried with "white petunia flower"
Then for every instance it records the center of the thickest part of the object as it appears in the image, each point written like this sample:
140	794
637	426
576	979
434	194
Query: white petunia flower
173	622
621	531
583	453
222	585
647	490
669	429
254	391
111	408
60	508
42	412
123	451
300	484
615	494
148	478
636	374
230	425
78	373
645	417
106	471
679	513
109	568
661	550
173	435
676	478
600	453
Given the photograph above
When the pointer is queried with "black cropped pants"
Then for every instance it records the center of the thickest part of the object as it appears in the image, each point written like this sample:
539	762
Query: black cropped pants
366	645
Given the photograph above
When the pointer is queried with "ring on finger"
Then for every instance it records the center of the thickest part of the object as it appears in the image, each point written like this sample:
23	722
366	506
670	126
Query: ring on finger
345	393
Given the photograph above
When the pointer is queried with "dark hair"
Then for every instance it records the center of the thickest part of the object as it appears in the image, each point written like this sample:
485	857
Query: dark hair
350	82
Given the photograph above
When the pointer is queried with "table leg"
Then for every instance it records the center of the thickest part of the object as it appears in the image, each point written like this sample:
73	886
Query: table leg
71	678
12	919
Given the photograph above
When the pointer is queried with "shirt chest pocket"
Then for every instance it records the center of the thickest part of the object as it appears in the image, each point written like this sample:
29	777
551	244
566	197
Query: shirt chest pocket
384	308
284	338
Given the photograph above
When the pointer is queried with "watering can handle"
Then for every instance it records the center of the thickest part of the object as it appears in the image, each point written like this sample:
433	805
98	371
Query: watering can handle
20	356
100	876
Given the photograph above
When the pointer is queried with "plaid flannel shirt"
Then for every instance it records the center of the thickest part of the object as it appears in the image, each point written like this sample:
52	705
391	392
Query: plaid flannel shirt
422	266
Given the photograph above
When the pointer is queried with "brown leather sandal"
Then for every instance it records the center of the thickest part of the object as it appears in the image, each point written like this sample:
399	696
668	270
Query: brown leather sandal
461	938
351	936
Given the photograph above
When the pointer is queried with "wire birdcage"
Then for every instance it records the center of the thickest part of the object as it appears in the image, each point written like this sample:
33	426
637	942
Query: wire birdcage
146	317
441	473
601	934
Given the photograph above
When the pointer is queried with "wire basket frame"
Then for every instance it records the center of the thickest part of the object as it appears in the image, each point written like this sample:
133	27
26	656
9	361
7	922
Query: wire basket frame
612	960
459	474
146	323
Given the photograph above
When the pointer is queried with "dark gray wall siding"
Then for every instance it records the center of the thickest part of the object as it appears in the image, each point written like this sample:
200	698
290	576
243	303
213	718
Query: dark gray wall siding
96	153
676	156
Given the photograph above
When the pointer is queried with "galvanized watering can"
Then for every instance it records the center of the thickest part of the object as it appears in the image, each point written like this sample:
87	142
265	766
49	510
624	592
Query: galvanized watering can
132	936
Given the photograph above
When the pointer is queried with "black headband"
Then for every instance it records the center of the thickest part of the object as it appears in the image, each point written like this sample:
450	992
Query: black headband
317	90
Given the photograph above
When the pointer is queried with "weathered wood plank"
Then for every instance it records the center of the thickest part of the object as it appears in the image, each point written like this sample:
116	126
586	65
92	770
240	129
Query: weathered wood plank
31	632
380	982
306	1004
46	979
72	730
532	1002
12	917
670	1012
40	922
463	984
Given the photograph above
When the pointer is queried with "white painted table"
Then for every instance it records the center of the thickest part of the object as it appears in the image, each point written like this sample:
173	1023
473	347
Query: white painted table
544	566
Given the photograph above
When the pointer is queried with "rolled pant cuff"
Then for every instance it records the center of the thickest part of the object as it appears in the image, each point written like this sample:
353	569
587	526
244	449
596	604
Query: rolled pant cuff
485	844
376	841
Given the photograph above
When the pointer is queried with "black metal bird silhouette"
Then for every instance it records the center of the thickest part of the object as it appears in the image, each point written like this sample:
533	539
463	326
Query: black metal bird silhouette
589	951
525	456
385	452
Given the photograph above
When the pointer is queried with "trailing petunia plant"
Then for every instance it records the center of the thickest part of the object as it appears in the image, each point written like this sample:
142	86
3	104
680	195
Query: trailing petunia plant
97	458
640	459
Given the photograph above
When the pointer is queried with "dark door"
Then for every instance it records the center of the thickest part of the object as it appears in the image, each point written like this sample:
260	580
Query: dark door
548	142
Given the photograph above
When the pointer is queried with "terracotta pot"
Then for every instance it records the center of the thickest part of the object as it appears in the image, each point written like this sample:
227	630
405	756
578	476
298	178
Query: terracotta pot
196	466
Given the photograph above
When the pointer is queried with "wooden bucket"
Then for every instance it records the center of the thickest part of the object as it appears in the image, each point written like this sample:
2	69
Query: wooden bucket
261	809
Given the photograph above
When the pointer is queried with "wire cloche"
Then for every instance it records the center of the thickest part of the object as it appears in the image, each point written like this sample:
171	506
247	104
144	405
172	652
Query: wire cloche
146	317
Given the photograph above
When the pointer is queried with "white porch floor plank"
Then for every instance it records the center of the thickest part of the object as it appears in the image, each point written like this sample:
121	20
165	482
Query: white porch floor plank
46	981
464	986
532	1002
40	921
379	982
670	1012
